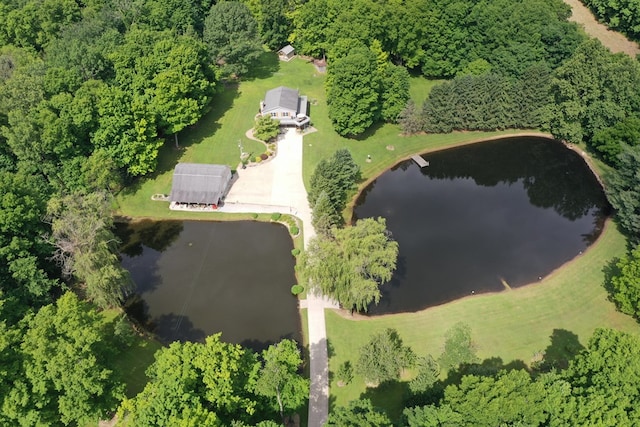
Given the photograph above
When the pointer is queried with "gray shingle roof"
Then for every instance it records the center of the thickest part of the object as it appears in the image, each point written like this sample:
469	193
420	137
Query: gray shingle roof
287	49
199	183
281	97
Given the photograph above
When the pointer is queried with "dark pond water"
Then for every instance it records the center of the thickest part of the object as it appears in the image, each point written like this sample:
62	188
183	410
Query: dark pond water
482	216
196	278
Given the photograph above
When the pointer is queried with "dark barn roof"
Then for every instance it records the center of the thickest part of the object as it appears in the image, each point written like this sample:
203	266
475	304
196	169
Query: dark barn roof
200	183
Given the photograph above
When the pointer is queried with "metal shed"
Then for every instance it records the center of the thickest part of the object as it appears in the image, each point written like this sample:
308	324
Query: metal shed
200	183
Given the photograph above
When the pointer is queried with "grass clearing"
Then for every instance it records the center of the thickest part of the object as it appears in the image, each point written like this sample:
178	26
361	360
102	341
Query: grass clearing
512	325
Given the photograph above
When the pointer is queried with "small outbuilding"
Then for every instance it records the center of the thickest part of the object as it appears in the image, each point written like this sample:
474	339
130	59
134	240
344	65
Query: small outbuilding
201	184
286	53
287	106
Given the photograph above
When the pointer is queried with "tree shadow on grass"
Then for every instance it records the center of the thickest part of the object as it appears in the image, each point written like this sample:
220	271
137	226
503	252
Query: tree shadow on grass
267	64
564	347
388	396
370	132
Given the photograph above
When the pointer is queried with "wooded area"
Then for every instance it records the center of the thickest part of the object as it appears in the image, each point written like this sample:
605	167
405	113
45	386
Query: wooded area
91	91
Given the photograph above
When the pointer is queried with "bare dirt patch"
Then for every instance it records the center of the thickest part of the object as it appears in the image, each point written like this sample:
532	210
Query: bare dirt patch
615	41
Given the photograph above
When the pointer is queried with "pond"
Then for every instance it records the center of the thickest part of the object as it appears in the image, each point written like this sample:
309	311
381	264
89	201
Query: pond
197	278
483	218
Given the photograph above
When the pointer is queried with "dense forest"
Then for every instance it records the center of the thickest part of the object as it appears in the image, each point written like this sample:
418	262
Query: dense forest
90	91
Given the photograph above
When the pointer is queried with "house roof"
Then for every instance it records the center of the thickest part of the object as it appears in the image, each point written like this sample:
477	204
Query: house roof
287	49
281	97
199	183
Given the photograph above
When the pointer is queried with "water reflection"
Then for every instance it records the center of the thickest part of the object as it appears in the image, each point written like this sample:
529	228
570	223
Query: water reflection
483	217
194	279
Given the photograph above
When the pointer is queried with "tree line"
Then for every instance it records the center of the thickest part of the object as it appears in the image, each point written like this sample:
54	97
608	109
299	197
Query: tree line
586	386
622	15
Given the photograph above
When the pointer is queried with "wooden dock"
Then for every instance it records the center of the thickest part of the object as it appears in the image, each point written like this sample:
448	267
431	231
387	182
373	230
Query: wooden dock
420	161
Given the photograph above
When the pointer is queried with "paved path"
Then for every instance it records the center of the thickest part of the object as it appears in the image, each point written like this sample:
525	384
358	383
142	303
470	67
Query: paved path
277	186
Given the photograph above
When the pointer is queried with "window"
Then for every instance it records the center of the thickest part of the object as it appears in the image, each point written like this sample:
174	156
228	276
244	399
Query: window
274	114
285	114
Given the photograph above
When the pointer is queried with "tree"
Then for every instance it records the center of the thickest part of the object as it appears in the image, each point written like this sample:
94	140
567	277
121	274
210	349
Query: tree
66	374
183	85
344	374
609	141
506	399
623	190
352	263
603	380
324	216
458	347
395	92
624	286
384	357
353	92
593	90
274	22
279	377
266	128
85	246
24	265
428	373
210	381
127	131
336	177
359	413
231	34
410	119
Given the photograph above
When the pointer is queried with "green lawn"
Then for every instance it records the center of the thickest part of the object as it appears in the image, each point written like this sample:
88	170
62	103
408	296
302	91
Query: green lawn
512	325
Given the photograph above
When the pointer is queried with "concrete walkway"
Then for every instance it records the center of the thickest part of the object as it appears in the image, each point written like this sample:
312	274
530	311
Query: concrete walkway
277	186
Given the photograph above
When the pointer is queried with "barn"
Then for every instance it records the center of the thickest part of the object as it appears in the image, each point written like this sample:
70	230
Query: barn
200	184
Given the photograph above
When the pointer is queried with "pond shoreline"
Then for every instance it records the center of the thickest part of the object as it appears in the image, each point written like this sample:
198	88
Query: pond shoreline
542	282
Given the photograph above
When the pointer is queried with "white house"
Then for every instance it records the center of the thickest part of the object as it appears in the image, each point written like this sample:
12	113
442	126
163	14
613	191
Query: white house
287	106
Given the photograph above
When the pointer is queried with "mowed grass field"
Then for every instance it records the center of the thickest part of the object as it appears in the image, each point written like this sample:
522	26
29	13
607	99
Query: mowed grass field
513	325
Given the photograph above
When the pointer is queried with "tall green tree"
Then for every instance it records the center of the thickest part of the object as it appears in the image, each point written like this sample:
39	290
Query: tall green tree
335	177
183	85
279	377
210	381
24	265
353	92
231	35
625	284
352	263
623	190
324	216
358	413
384	357
593	90
85	246
458	347
66	374
395	91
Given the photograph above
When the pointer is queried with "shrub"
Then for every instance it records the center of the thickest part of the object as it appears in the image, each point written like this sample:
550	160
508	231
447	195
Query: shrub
275	216
258	159
295	252
344	374
254	215
297	289
264	156
294	230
